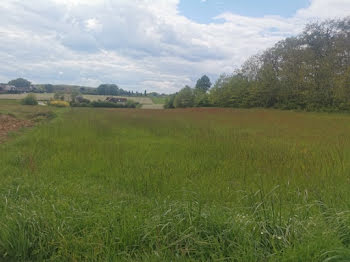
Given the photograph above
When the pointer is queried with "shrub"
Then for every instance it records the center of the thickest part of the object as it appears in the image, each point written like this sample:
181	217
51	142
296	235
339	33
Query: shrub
107	104
132	104
185	98
77	104
29	100
58	96
59	103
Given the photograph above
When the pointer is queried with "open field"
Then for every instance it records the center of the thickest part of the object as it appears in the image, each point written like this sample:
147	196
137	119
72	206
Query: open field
14	108
14	117
144	101
159	100
176	185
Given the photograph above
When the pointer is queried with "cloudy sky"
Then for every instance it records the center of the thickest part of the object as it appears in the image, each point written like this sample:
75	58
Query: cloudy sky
157	45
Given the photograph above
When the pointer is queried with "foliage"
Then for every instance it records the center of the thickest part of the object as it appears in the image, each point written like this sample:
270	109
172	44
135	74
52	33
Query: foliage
48	88
203	84
129	104
30	99
191	97
185	98
114	90
74	94
20	82
85	90
169	102
201	99
59	96
107	89
309	72
106	104
58	103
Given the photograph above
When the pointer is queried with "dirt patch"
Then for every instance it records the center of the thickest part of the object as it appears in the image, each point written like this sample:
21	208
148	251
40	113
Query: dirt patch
9	124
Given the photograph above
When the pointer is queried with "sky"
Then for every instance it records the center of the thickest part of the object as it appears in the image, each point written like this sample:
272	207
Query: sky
205	12
153	45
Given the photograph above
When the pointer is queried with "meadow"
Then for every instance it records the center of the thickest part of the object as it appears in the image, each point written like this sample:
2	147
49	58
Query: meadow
144	101
159	99
177	185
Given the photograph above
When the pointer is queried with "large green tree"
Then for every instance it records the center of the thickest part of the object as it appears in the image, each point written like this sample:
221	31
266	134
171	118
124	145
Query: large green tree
108	89
20	82
185	98
203	84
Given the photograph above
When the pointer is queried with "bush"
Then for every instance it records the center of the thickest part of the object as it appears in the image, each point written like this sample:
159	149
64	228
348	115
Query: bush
29	100
185	98
58	96
106	104
129	104
77	104
169	103
59	103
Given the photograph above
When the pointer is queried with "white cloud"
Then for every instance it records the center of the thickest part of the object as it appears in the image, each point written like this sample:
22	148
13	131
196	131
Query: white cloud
325	9
93	24
140	44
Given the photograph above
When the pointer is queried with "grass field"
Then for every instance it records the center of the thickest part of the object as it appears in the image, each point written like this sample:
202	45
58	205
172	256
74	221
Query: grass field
177	185
13	108
159	99
144	101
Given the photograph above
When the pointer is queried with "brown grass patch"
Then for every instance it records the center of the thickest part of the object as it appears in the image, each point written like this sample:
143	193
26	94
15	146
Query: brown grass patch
10	124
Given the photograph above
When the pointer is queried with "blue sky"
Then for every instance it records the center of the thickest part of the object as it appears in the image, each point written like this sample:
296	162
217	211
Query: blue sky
157	45
203	11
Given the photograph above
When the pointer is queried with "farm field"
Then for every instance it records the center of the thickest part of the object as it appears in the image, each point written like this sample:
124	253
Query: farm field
144	101
177	185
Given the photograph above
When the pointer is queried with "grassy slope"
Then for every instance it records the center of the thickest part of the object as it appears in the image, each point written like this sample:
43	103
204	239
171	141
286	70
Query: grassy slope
159	100
111	185
14	108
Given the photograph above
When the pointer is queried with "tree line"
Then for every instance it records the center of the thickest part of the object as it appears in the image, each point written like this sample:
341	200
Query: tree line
191	97
103	89
310	71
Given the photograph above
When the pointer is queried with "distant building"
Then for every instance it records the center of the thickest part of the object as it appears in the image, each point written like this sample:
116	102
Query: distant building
4	88
24	89
116	100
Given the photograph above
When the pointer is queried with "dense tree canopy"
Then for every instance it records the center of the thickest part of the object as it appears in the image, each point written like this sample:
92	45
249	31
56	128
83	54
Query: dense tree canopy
185	98
48	88
191	97
203	84
310	71
108	89
20	82
112	89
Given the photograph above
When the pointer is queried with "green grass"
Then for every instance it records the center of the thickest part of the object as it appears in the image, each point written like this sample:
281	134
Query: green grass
177	185
160	100
36	113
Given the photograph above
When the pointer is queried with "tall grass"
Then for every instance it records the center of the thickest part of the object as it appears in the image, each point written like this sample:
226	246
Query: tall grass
196	184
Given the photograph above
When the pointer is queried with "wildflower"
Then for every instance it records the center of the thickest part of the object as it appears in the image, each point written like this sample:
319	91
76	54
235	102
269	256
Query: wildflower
59	103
